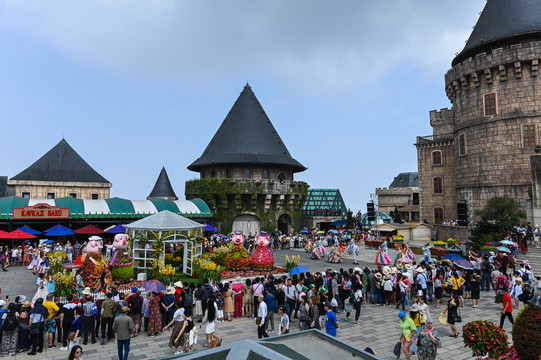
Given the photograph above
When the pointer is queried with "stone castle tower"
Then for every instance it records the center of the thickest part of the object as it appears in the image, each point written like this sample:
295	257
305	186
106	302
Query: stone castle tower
246	173
482	146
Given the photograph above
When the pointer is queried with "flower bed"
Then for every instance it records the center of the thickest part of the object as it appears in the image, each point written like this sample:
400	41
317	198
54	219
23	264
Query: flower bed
373	243
231	274
483	337
438	251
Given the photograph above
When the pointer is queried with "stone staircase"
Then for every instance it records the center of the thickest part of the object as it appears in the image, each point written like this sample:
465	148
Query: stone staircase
534	258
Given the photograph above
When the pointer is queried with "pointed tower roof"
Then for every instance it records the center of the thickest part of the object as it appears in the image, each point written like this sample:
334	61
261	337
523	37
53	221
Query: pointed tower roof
246	136
502	19
61	163
163	189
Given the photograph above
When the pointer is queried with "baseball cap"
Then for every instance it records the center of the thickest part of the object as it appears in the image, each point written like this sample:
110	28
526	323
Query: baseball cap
402	314
2	303
134	289
327	304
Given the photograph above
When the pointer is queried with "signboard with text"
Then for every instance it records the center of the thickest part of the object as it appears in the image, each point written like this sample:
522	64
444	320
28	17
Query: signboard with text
41	211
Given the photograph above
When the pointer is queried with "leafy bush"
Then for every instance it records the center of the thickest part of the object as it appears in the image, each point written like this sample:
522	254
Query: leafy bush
220	254
56	260
483	337
64	282
527	333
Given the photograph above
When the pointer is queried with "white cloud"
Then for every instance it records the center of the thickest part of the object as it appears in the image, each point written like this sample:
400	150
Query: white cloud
317	45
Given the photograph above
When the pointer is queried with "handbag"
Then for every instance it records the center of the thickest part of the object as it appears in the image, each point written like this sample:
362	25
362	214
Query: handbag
397	349
34	329
258	320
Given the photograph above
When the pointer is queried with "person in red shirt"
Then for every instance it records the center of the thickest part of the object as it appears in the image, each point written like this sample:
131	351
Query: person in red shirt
178	290
507	306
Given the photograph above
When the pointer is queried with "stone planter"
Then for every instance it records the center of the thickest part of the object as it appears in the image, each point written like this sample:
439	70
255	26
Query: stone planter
417	250
439	251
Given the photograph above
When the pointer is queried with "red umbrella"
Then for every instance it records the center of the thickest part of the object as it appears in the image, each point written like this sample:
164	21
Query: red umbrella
4	234
89	230
18	234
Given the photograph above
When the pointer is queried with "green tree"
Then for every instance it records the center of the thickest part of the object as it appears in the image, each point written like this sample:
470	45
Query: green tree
499	215
350	220
396	216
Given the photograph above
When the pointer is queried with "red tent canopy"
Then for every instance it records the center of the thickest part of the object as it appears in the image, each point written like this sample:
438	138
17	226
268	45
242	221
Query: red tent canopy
18	234
89	230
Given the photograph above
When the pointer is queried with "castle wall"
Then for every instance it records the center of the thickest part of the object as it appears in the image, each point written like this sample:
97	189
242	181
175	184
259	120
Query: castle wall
238	172
60	189
496	161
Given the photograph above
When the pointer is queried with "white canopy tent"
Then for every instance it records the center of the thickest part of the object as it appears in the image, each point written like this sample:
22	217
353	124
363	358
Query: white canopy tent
158	224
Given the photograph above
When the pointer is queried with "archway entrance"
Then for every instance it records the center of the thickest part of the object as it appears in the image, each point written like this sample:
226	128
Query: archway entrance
284	224
248	224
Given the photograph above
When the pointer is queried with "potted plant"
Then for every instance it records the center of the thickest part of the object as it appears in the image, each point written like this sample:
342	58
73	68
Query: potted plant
398	240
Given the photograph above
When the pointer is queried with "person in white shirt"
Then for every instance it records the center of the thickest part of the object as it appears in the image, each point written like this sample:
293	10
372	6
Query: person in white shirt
284	321
261	315
515	291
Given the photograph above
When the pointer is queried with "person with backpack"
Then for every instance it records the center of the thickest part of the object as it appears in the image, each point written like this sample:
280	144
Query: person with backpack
206	293
135	304
10	333
37	323
187	298
50	322
90	311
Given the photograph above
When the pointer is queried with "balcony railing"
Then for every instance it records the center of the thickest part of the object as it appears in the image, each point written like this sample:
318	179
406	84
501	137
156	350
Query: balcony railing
434	138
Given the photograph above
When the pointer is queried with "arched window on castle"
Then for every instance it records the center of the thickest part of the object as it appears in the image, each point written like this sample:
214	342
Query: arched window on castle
265	174
436	157
438	215
438	185
247	174
228	174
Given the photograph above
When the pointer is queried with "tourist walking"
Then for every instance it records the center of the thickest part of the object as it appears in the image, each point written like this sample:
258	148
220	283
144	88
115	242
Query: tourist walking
428	341
209	321
314	313
408	329
261	317
182	339
507	307
123	327
331	323
176	324
304	318
76	328
284	321
452	313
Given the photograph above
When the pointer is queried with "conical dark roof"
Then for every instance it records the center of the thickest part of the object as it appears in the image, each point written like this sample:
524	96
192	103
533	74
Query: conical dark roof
503	19
163	188
61	163
246	136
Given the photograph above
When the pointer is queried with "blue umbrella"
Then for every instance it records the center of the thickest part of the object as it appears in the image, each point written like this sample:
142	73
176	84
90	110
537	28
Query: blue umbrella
506	242
504	249
453	257
339	223
60	232
333	231
56	227
29	230
119	229
209	227
48	242
298	270
305	232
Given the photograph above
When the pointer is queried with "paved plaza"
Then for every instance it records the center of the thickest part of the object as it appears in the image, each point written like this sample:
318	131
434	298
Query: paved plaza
378	326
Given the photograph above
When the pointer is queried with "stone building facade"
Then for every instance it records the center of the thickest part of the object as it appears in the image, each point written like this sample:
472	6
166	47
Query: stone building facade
402	196
487	138
61	172
247	174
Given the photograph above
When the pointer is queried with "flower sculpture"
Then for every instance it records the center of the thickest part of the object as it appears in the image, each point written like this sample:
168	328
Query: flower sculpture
262	258
121	263
94	270
238	257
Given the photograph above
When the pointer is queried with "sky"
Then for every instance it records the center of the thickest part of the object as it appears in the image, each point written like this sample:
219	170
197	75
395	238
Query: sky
137	85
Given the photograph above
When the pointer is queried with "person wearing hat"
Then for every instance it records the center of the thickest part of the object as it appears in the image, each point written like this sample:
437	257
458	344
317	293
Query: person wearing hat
428	341
123	326
516	292
24	327
331	322
167	304
379	288
387	290
422	281
407	330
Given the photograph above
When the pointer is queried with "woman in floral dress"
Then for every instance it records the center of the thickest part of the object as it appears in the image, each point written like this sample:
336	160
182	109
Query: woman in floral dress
428	341
155	317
